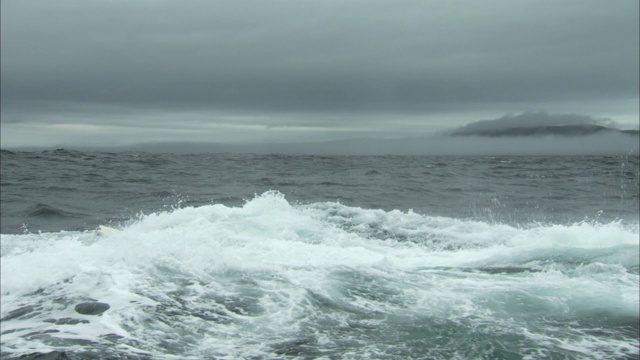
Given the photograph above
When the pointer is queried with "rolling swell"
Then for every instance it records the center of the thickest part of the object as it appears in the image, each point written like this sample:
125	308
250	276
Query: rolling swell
47	212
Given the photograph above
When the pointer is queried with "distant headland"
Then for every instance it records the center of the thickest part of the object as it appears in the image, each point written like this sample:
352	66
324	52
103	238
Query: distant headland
559	130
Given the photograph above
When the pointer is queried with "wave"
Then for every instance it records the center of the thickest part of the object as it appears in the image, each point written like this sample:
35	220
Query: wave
271	279
47	211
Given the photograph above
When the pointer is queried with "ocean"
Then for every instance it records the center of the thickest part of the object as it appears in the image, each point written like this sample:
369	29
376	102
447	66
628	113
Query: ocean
245	256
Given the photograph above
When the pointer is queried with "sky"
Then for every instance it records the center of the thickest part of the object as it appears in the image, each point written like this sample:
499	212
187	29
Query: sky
246	73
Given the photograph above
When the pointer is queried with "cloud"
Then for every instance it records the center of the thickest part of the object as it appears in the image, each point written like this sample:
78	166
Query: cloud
320	70
316	56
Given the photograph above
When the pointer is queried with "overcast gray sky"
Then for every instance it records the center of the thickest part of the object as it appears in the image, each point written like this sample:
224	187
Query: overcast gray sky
81	72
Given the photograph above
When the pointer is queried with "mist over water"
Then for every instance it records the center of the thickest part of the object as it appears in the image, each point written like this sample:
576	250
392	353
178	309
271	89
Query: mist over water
610	144
251	256
438	144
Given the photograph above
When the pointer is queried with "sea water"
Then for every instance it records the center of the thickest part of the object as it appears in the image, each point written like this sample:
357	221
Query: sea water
270	256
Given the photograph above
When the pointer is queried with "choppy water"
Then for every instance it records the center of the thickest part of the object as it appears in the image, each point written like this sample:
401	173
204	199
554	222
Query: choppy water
254	256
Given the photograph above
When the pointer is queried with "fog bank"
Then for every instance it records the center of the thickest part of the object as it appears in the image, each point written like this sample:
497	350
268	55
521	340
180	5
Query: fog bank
597	144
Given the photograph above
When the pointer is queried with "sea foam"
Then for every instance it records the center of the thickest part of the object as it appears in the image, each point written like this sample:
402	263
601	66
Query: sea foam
271	278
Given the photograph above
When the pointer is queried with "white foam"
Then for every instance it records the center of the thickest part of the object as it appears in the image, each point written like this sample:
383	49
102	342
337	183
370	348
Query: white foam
421	266
105	230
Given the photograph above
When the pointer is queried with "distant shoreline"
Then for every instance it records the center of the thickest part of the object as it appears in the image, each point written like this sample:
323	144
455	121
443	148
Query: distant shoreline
532	131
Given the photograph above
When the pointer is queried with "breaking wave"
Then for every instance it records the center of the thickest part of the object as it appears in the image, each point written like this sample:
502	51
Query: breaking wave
272	279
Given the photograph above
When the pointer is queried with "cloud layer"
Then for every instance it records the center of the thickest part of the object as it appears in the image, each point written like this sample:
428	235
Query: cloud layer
334	68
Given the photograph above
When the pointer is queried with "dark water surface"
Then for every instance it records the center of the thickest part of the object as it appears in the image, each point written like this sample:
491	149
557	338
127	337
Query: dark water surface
70	190
271	256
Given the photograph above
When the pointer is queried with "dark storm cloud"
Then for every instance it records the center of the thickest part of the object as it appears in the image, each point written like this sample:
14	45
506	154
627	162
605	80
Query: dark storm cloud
316	56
